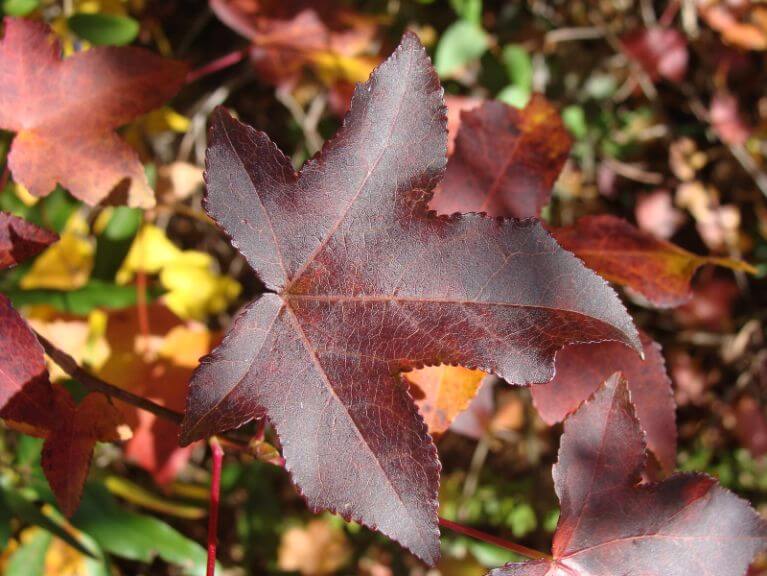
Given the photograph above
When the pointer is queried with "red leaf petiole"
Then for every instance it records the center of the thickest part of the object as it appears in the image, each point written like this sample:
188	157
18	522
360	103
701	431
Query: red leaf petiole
215	495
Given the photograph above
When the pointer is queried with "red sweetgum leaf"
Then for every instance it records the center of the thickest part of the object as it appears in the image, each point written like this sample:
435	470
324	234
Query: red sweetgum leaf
505	160
68	447
621	253
65	111
367	283
25	389
610	524
661	52
21	240
33	406
582	368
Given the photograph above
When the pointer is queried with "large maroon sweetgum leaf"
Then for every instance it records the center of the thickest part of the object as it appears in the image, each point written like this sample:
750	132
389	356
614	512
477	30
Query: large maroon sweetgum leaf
580	370
367	283
610	524
21	240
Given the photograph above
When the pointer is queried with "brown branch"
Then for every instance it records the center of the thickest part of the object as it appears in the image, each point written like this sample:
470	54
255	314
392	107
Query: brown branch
495	540
94	383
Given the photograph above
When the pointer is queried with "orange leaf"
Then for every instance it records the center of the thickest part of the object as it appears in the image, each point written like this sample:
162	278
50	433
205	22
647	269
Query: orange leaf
65	113
442	392
158	367
659	270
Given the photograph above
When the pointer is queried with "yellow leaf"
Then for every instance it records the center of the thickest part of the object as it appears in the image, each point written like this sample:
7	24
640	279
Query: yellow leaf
333	66
316	549
139	496
194	290
163	120
185	345
25	195
67	264
150	252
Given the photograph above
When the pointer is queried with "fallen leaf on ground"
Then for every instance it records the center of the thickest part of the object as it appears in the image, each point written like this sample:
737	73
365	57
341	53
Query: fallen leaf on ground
505	160
291	34
659	270
66	265
661	52
315	549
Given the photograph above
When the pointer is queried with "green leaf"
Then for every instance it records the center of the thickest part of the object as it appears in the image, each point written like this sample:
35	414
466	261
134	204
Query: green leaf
104	29
18	7
5	522
469	10
95	294
28	511
29	559
519	66
522	520
461	44
574	119
514	96
135	536
115	241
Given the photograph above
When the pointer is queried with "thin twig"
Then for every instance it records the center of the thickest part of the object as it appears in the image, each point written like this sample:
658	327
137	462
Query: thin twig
94	383
226	61
215	498
490	539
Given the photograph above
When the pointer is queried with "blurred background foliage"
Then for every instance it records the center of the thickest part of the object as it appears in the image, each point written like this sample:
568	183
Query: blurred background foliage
666	102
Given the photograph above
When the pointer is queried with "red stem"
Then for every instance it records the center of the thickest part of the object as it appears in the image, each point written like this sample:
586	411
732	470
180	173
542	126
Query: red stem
669	13
215	495
476	534
141	304
218	64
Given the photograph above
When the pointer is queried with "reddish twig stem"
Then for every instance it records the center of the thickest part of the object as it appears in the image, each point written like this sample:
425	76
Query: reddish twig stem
478	535
215	498
94	383
141	304
216	65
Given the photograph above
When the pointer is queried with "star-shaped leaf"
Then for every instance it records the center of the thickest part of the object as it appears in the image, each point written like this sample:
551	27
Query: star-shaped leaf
64	112
364	282
582	368
610	524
